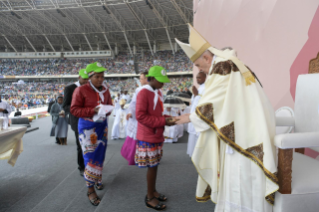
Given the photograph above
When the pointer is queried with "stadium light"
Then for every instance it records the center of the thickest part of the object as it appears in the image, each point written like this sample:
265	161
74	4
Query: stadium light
60	11
106	9
16	15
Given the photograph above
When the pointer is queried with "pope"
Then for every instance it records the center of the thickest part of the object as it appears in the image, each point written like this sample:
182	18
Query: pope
235	154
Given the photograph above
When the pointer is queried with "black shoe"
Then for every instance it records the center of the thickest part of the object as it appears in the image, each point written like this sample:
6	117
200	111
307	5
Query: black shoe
158	207
81	172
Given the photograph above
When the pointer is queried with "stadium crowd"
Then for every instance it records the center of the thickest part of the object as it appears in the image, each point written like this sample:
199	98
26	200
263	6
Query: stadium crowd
34	94
122	64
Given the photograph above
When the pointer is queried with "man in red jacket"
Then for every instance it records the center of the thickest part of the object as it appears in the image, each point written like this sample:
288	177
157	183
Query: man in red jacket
151	122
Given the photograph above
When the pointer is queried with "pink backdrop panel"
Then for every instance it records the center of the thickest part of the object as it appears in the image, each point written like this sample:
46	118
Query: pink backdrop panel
270	36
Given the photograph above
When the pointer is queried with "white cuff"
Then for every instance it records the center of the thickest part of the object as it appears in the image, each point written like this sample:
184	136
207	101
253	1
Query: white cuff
198	123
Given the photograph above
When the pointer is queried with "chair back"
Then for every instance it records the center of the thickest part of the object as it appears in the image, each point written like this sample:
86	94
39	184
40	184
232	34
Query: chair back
307	104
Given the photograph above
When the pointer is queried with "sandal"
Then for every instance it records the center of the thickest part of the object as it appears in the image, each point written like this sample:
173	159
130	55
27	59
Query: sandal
95	200
161	197
157	207
99	186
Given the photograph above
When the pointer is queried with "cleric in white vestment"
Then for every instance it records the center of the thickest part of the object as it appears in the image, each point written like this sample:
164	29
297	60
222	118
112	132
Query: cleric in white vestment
235	154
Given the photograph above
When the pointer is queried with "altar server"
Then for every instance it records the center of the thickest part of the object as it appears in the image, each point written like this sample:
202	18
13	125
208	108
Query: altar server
119	126
197	93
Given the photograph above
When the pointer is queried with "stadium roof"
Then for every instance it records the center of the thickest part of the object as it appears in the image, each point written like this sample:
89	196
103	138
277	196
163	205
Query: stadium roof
67	25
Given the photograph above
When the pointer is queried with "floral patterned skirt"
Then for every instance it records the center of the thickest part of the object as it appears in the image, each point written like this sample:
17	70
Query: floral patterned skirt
93	140
148	154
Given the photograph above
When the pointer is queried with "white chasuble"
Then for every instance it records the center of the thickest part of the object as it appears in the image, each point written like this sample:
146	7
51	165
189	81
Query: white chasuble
241	118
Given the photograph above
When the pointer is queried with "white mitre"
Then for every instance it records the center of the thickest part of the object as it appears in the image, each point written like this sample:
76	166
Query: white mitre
198	45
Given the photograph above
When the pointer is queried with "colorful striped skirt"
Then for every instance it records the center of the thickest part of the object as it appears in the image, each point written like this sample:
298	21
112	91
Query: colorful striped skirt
148	154
93	140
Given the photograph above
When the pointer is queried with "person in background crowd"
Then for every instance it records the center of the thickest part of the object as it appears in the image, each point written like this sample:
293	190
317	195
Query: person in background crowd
92	135
60	124
129	147
151	122
73	120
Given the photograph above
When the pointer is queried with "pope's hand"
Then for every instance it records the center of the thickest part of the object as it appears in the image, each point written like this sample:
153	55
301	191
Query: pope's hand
183	119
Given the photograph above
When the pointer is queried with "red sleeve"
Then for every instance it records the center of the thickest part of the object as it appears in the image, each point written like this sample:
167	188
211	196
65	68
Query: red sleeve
142	114
78	108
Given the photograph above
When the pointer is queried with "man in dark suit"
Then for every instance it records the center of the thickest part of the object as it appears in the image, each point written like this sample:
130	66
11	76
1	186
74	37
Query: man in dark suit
57	141
187	91
72	120
169	92
18	113
51	103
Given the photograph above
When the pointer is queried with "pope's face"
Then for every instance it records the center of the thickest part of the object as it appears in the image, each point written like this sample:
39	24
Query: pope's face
203	63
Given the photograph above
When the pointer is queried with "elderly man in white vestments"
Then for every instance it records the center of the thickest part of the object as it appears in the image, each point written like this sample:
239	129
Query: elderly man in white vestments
197	93
235	154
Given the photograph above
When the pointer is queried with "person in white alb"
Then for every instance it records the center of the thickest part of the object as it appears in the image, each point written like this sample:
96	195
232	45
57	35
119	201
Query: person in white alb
119	125
126	96
117	103
5	110
235	156
197	93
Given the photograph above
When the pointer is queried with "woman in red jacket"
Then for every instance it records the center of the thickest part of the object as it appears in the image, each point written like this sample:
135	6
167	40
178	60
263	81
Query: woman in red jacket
92	135
151	122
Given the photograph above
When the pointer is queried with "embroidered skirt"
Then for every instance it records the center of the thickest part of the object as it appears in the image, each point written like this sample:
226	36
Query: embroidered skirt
148	154
93	140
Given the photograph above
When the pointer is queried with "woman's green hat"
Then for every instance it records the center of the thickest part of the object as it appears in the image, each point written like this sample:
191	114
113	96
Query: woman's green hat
159	73
94	68
83	74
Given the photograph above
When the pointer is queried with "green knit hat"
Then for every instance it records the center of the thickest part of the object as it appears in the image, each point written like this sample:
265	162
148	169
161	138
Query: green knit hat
159	73
94	68
83	74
